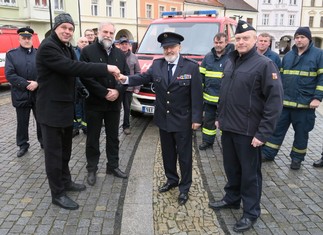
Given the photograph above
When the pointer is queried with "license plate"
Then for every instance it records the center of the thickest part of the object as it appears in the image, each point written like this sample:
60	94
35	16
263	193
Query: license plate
148	109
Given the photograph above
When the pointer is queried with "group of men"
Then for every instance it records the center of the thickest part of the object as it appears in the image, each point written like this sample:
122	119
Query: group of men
244	94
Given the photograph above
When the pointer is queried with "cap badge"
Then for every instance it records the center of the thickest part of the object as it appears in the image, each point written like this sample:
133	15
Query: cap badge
244	26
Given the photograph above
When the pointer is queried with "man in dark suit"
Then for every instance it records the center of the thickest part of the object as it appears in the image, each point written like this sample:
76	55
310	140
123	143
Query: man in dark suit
178	109
104	103
58	67
21	72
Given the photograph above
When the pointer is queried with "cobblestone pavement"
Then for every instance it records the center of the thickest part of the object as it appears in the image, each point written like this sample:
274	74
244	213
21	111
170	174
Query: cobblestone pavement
292	201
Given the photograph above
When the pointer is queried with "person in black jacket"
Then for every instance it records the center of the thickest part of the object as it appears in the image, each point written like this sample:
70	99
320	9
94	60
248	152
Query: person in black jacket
178	109
104	103
58	67
21	72
251	100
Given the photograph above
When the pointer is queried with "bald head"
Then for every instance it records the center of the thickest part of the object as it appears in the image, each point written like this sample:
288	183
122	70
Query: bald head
82	42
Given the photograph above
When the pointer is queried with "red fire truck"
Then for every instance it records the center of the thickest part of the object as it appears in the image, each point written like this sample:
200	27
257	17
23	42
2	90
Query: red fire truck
198	29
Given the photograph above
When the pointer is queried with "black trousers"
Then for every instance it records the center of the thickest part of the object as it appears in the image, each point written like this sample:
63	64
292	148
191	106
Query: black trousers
57	147
22	135
94	124
179	144
242	165
127	98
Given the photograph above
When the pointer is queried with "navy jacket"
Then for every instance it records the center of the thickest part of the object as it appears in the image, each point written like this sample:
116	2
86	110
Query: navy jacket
180	103
251	95
20	66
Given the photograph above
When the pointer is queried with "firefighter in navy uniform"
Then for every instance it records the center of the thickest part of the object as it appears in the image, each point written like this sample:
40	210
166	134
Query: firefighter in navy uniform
302	76
178	109
21	72
250	104
212	72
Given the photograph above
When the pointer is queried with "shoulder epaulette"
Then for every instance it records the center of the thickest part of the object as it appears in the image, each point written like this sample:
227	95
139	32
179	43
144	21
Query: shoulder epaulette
13	49
192	60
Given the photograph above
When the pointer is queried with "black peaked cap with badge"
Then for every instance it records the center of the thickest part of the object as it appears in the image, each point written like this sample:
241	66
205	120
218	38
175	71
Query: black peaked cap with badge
25	32
169	39
243	27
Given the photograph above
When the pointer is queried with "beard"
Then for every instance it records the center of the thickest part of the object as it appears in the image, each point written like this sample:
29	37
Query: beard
106	43
171	58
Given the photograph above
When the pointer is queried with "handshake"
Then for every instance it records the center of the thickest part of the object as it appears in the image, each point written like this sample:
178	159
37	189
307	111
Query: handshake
114	70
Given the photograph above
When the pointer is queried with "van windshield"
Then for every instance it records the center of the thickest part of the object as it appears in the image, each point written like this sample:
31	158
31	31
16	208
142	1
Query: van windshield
198	37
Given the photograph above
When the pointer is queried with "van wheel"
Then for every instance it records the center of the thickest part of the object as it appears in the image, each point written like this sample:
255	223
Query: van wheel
135	114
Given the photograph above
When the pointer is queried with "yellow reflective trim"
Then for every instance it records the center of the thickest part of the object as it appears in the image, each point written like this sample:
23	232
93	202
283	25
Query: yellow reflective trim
319	88
319	71
202	70
296	150
208	132
300	73
294	104
271	145
213	74
84	123
210	98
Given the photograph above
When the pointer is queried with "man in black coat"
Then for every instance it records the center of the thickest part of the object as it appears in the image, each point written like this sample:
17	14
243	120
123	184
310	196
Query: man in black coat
251	100
104	103
21	72
58	67
178	109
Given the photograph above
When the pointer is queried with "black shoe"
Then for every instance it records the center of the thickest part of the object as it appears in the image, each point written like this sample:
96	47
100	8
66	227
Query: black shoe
182	198
75	132
84	131
205	146
75	187
243	225
318	163
295	165
117	172
265	159
22	152
91	178
65	202
166	187
217	205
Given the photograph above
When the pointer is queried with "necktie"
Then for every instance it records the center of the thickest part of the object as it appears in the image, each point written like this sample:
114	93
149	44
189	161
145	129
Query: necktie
170	72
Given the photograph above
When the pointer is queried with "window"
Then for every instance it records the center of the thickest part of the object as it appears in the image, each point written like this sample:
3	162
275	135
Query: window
172	9
276	19
41	3
292	2
281	20
321	22
8	2
265	19
280	1
311	20
161	10
312	3
94	7
58	5
109	7
291	20
122	9
149	11
266	1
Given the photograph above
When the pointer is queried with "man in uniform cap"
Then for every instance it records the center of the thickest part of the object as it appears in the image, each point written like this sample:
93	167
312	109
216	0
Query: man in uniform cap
249	107
303	93
58	67
21	72
178	109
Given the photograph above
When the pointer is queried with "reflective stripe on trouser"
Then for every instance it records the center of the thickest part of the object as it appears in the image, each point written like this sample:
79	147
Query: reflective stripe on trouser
303	121
209	129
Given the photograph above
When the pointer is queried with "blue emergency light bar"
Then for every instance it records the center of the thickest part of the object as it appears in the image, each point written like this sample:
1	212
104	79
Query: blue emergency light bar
187	13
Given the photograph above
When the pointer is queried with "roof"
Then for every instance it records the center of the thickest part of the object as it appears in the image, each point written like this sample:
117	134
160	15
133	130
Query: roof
237	5
215	3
